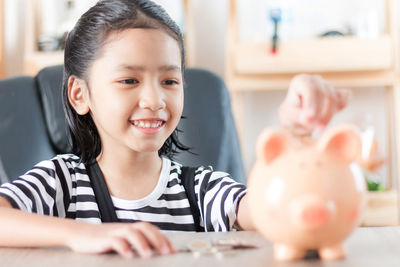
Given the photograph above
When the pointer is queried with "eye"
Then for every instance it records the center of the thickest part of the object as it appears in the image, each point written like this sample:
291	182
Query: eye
169	82
129	81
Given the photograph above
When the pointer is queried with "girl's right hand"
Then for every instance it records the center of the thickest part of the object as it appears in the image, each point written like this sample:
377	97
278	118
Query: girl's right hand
123	238
310	104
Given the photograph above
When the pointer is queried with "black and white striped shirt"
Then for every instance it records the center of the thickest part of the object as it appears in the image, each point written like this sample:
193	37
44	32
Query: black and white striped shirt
61	187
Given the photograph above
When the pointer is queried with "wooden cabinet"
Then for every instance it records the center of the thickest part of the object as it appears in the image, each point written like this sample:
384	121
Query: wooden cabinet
344	61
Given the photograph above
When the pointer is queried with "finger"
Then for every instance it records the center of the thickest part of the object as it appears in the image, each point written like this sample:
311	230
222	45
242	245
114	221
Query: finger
342	98
308	118
290	119
321	100
294	100
326	97
122	247
311	92
303	87
156	238
170	246
139	242
328	110
288	113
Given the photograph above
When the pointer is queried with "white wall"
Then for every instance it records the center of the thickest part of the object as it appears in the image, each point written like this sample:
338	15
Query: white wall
210	27
210	23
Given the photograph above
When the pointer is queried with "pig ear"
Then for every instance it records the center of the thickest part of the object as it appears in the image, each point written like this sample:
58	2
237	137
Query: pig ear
270	145
343	141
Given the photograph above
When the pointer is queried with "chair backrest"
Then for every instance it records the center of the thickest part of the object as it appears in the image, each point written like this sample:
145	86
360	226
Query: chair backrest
49	83
23	135
208	128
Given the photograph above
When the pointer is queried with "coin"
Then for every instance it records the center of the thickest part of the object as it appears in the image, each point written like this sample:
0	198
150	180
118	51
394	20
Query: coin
199	245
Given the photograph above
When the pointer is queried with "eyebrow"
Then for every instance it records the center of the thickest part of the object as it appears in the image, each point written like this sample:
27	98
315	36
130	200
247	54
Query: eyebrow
143	68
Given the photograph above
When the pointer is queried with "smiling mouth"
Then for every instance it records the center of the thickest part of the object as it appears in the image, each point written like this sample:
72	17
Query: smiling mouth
148	124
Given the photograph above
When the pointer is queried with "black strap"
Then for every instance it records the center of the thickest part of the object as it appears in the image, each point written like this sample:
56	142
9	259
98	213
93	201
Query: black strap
101	193
106	206
187	178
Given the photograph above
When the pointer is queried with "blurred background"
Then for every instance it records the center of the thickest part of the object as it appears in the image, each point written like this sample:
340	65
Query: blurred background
257	46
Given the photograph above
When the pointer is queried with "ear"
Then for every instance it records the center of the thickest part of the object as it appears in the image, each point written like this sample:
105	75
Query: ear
343	141
270	145
78	95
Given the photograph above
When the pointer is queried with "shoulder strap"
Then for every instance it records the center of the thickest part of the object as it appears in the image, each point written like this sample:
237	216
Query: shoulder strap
187	178
102	195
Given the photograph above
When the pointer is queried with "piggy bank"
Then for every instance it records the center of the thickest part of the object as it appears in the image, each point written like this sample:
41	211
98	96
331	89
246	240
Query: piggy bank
307	194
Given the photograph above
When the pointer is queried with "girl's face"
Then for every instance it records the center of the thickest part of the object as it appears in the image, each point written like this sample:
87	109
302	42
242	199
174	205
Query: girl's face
136	90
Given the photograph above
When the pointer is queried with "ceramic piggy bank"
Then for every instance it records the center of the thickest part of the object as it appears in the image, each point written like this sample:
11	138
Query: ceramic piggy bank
307	195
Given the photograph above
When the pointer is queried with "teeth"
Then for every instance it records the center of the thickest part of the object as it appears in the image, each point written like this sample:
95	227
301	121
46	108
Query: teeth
147	124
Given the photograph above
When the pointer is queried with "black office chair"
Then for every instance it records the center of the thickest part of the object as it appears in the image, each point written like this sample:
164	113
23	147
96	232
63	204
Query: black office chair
33	126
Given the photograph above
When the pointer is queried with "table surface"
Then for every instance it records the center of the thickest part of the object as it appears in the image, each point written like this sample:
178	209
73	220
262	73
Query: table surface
379	246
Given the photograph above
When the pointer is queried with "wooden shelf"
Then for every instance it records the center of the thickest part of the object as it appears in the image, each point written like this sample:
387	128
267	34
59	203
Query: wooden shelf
272	82
329	54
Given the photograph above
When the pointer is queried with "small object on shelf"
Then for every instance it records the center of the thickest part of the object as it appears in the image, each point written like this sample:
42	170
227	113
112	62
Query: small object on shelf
331	34
48	43
275	15
374	185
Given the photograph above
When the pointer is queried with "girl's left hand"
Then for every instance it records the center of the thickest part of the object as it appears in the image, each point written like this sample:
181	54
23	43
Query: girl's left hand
310	104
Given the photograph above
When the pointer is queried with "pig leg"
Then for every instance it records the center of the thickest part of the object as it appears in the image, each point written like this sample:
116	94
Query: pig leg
288	253
334	252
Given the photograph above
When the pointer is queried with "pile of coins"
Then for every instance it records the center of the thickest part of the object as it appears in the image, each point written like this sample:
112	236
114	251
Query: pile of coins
220	249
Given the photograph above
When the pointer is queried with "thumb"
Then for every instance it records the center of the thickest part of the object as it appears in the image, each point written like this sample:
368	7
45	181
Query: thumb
343	97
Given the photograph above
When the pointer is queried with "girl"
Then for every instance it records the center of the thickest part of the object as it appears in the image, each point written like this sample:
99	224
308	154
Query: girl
123	98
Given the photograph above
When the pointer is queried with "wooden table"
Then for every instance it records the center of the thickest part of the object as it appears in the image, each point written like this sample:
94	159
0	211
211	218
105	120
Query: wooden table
366	247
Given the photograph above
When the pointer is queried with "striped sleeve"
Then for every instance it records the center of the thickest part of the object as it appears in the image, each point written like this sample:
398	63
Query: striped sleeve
42	190
218	196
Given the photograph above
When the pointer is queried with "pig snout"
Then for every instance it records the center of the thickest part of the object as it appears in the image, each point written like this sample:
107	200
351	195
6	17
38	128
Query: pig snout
310	212
315	215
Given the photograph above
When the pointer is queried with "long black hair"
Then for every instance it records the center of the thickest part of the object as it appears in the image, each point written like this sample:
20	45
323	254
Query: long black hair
82	48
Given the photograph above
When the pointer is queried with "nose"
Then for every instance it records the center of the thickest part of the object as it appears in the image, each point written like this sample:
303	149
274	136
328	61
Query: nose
152	97
312	212
315	215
